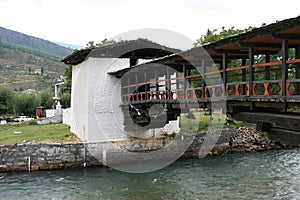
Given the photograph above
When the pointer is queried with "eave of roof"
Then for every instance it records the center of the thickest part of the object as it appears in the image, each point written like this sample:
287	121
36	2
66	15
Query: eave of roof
125	49
233	45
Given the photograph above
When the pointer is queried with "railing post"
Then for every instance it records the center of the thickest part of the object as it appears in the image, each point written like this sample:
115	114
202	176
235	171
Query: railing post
284	73
184	81
146	86
225	78
128	88
203	71
251	71
297	56
168	84
267	67
244	76
136	86
156	85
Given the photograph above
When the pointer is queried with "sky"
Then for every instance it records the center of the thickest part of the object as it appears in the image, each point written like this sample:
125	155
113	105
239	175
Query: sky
80	21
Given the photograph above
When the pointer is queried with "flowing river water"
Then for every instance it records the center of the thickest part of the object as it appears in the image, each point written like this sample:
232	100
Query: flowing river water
263	175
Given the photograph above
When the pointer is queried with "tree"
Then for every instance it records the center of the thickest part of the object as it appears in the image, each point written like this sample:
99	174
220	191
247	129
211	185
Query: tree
91	44
47	99
214	35
7	95
65	100
26	104
66	87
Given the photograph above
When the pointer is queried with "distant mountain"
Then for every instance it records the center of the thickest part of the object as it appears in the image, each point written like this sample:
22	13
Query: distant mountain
72	46
20	39
25	68
28	62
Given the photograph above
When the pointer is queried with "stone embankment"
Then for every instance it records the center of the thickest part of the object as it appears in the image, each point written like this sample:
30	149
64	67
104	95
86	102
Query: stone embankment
32	157
241	140
246	139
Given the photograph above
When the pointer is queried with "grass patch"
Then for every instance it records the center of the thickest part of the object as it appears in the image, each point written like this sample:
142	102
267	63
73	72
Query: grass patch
28	132
196	121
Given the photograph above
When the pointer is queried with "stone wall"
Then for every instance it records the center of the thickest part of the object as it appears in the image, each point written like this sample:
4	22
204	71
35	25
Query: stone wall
25	157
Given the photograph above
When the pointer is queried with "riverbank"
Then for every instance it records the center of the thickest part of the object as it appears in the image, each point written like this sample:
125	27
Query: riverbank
33	157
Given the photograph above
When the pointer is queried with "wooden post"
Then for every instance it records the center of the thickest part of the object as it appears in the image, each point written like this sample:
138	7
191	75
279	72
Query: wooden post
168	83
146	86
244	77
177	81
297	56
225	78
136	86
156	84
189	72
128	88
251	71
184	81
203	71
267	67
284	72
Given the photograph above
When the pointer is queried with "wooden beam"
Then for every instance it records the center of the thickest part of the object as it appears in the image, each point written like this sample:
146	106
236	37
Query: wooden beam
156	83
229	57
244	77
203	71
251	70
284	73
184	81
128	88
288	36
263	44
297	56
168	83
228	51
244	52
225	78
267	67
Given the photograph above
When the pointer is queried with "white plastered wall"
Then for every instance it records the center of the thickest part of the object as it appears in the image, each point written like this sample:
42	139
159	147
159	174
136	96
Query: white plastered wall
96	97
96	114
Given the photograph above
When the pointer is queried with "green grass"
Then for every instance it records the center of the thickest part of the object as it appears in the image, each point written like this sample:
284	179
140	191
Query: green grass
50	133
201	121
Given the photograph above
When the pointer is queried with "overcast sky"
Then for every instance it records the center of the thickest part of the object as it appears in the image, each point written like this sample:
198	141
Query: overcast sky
80	21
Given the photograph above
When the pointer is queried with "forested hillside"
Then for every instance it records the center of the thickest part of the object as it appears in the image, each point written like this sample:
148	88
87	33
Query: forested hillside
35	43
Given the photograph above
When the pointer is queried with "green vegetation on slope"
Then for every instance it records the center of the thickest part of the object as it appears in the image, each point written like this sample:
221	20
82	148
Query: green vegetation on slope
24	68
31	42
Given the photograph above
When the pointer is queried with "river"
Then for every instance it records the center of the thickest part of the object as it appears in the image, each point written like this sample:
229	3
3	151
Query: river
263	175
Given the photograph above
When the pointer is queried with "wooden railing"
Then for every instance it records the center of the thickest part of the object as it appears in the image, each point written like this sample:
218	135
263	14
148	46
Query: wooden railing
260	88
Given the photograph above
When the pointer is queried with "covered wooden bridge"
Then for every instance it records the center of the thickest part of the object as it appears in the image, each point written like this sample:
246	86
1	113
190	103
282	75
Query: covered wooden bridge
256	71
256	74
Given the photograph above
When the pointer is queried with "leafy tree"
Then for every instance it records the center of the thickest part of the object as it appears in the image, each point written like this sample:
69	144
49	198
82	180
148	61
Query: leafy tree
7	95
47	99
91	44
66	87
26	104
215	35
65	100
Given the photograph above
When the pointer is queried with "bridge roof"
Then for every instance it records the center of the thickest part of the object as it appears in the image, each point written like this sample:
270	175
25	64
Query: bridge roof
140	48
266	39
